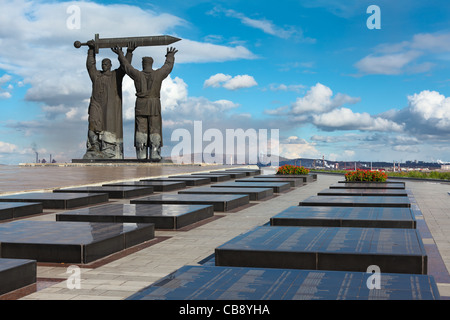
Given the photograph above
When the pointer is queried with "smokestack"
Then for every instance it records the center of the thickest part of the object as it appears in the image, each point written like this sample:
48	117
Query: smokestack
37	157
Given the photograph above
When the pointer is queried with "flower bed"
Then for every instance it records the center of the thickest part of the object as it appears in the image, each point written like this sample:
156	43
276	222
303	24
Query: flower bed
366	175
290	169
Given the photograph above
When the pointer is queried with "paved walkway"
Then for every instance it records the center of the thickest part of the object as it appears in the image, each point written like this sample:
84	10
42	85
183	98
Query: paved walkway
171	250
14	179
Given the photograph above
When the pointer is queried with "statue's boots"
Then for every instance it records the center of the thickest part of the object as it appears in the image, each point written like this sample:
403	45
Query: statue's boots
155	153
112	148
93	143
93	146
141	145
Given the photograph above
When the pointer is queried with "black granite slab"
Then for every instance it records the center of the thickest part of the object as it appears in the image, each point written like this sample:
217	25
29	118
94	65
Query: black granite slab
276	186
361	217
221	202
390	181
294	183
356	201
63	200
16	274
310	177
249	172
256	284
12	210
368	185
232	174
364	192
305	178
326	248
255	194
189	181
160	186
163	216
114	192
214	177
69	242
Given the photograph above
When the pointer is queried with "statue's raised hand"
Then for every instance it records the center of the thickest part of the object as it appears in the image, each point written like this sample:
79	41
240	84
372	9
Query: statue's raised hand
91	44
117	50
131	46
171	50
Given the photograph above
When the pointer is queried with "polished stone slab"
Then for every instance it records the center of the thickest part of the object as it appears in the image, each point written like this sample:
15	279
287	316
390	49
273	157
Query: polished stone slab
232	174
63	200
163	216
255	194
69	242
294	183
368	185
12	210
248	172
255	284
390	181
326	248
356	201
160	186
305	178
361	217
221	202
190	181
114	192
364	192
214	177
276	186
16	274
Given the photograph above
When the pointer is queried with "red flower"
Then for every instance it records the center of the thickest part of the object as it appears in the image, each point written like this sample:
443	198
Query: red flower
366	175
290	169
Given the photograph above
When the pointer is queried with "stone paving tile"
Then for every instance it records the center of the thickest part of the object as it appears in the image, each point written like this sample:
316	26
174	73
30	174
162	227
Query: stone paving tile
433	201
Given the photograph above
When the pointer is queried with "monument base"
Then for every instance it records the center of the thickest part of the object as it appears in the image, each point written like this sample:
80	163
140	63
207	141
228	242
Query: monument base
120	161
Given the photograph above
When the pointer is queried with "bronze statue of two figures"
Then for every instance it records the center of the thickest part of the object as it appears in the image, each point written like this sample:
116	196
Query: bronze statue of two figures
105	132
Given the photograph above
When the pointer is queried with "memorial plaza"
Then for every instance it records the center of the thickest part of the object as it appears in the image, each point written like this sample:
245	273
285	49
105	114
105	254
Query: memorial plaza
202	241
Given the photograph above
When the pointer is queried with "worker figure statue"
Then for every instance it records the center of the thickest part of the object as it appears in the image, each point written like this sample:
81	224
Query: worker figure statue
148	122
105	132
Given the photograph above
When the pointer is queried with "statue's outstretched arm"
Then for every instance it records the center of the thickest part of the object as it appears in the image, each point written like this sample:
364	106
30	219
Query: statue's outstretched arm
170	60
125	63
90	61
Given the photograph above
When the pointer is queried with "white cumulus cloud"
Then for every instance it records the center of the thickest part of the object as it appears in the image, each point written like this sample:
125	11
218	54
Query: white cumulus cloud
406	56
346	119
229	82
432	107
6	147
320	99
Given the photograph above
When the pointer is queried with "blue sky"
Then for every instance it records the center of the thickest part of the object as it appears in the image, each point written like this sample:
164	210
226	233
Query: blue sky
312	69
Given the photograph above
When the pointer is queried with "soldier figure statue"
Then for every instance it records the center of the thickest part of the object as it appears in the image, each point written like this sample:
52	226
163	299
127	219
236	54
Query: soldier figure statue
148	122
105	133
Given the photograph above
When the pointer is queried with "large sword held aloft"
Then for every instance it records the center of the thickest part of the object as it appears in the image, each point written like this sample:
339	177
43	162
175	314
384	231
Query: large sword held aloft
123	42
